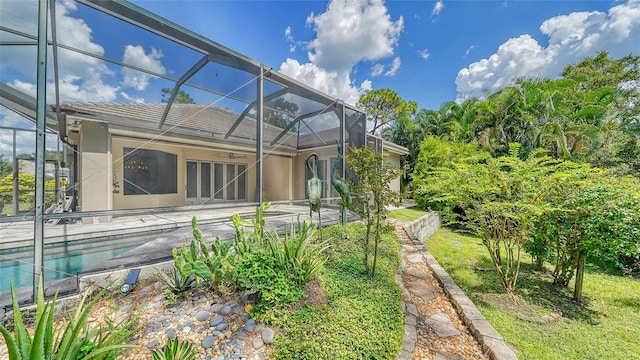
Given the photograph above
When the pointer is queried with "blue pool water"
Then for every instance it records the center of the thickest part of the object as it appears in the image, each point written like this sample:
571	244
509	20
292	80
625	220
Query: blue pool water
64	260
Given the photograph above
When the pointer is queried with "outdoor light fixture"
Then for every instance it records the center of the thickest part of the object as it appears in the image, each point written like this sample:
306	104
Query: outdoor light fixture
131	279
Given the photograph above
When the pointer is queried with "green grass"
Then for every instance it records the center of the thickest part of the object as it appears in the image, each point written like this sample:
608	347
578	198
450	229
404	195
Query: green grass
605	326
407	214
363	319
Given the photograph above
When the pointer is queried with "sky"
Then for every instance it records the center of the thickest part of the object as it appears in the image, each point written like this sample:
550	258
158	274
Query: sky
430	52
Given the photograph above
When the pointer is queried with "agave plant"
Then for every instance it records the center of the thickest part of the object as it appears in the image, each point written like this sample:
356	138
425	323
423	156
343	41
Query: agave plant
175	350
72	340
177	283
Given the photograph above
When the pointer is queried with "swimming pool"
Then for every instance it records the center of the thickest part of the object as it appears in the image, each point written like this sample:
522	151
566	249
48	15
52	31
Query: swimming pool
66	259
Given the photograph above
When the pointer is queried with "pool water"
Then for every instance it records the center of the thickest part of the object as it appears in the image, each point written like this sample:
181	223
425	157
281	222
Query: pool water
65	259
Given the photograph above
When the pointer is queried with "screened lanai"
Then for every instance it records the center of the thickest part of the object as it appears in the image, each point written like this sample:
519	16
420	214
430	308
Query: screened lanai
108	110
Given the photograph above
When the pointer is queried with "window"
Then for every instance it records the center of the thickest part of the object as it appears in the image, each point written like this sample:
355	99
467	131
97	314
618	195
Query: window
150	172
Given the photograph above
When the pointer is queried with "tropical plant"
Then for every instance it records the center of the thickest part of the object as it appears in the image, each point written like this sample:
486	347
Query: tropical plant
373	196
175	350
214	266
294	253
276	270
71	340
593	217
498	201
178	284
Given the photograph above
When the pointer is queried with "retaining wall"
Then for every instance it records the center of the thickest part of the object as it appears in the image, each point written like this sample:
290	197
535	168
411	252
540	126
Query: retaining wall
491	341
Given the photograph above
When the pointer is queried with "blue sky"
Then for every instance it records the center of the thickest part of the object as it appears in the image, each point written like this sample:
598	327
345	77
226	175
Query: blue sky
430	52
431	42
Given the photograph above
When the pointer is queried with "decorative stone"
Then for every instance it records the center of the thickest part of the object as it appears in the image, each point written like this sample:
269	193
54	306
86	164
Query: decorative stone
226	310
250	325
152	344
216	320
267	335
126	308
208	342
442	325
171	334
202	315
221	327
257	343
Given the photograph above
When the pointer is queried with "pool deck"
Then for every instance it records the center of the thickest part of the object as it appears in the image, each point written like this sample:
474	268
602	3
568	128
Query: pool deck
212	222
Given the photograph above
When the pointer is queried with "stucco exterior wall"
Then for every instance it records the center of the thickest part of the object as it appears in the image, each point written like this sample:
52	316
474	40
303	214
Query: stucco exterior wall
184	154
95	169
277	178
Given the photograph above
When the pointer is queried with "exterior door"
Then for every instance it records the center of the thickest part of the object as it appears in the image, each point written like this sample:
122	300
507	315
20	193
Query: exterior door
229	181
199	181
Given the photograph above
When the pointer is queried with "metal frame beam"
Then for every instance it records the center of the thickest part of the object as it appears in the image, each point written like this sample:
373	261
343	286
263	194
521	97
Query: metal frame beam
300	118
259	131
250	106
41	113
194	69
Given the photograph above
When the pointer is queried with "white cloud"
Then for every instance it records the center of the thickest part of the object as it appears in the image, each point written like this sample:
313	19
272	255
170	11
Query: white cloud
571	38
348	32
351	31
469	50
424	54
82	78
337	84
132	99
293	44
437	8
136	56
395	66
377	69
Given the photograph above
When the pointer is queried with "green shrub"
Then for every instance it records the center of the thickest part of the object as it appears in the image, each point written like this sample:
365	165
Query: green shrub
364	319
276	270
175	350
259	274
26	190
295	254
72	340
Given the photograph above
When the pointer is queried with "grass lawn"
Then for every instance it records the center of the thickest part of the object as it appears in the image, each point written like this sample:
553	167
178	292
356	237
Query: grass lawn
407	214
547	324
363	318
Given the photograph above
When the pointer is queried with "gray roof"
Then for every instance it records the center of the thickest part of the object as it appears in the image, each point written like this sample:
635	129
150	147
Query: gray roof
208	121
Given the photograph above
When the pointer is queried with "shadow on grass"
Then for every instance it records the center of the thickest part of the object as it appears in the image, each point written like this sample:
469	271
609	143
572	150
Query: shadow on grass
633	303
536	288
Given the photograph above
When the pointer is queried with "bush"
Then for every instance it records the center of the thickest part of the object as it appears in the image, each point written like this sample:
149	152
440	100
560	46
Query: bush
72	340
175	350
26	190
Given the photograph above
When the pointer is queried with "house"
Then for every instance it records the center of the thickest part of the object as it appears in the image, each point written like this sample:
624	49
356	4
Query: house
244	138
202	156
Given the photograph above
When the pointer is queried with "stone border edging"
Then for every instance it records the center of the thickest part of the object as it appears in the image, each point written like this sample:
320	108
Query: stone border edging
480	328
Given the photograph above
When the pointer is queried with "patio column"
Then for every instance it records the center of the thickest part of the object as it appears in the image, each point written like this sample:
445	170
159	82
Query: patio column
41	103
259	129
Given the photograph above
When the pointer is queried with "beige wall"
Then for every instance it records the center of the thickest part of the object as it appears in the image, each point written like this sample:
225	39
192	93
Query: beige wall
393	159
94	169
120	201
277	178
184	154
